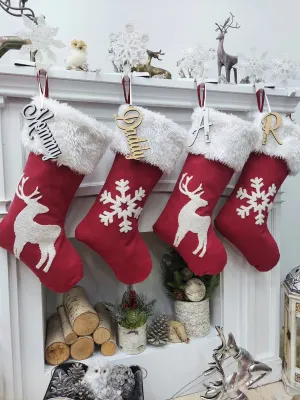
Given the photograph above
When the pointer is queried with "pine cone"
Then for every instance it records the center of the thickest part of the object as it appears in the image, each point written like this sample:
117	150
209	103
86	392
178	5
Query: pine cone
158	332
76	372
61	386
122	378
82	391
179	295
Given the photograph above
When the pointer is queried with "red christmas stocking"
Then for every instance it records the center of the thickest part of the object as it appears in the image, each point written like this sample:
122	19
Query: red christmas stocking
186	222
62	150
243	219
111	226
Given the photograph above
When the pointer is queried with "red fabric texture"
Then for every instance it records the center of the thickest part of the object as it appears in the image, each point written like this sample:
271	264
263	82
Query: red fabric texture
125	252
254	241
56	187
214	177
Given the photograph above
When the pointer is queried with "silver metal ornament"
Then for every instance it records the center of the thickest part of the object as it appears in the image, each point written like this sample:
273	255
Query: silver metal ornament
249	371
292	280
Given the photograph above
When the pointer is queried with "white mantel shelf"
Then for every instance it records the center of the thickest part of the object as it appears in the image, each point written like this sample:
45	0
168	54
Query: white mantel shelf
91	87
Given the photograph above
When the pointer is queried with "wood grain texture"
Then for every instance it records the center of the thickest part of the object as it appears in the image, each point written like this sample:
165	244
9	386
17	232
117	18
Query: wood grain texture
69	334
103	332
82	316
56	350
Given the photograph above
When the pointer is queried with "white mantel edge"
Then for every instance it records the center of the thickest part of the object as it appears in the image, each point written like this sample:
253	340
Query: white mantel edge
79	86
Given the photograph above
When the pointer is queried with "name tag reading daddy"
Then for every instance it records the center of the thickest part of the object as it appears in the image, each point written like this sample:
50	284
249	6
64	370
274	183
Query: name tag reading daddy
128	122
38	123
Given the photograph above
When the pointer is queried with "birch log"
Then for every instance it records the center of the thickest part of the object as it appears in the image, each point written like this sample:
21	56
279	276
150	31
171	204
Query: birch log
110	347
83	318
56	350
69	335
83	348
103	332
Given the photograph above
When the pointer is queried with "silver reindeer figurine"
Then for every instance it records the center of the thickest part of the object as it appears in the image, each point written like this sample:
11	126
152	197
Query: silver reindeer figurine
248	371
225	59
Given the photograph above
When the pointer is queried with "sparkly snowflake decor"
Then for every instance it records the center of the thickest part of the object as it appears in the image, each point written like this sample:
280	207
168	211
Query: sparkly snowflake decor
41	37
127	49
123	206
285	69
255	65
195	63
258	201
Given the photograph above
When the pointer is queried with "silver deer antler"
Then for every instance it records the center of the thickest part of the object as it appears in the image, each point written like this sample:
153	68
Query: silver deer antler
223	28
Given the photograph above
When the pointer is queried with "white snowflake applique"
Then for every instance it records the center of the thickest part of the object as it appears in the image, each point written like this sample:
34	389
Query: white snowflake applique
258	201
123	206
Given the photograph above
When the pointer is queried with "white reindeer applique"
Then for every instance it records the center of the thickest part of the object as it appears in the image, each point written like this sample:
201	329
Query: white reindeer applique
28	231
189	220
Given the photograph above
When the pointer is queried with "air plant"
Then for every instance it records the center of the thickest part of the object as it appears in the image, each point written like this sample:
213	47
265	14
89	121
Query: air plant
133	311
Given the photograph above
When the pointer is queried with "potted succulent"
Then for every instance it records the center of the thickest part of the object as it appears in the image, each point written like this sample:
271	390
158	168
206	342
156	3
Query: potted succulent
131	315
191	293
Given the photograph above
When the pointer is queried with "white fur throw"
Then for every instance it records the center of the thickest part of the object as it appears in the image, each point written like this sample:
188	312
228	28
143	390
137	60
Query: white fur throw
232	138
165	138
288	133
81	139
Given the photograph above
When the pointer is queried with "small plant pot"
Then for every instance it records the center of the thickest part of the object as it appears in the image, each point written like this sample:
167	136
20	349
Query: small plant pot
132	341
194	315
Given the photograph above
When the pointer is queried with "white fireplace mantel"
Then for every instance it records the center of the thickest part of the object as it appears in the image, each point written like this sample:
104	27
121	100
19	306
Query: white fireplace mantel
89	87
249	301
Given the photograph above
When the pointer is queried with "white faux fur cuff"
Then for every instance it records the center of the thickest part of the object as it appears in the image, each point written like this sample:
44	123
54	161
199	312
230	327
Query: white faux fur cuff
288	133
81	139
231	138
165	138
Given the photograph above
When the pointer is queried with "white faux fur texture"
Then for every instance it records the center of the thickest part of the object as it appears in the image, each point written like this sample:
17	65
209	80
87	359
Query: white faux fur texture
288	133
166	139
81	139
232	139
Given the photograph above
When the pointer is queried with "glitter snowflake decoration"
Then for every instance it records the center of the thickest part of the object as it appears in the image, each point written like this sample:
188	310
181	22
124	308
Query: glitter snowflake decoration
195	62
255	65
127	49
41	37
258	201
123	206
285	69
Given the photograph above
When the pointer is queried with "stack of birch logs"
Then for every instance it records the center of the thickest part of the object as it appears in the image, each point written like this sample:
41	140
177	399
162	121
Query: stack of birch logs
77	327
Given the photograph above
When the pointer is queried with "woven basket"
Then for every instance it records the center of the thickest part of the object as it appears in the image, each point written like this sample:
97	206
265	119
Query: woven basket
138	392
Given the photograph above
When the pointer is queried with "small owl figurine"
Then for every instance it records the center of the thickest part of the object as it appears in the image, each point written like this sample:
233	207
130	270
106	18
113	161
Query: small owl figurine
77	57
97	376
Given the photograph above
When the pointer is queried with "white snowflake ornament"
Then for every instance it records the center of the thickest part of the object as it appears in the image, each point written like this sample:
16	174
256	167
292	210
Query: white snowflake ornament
285	69
41	37
195	62
123	206
127	49
258	201
255	65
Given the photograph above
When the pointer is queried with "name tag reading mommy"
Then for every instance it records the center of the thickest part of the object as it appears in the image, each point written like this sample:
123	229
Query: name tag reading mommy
38	123
128	122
